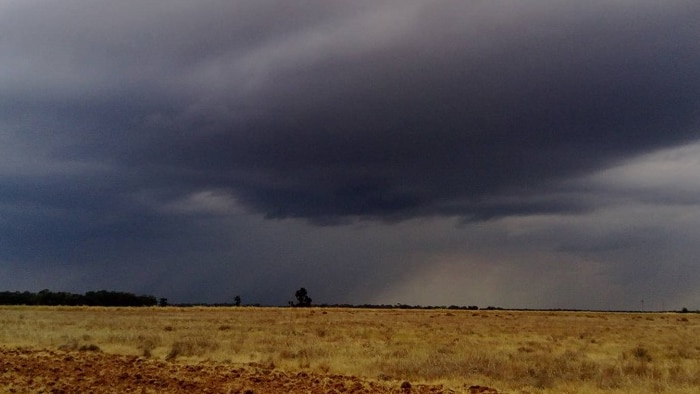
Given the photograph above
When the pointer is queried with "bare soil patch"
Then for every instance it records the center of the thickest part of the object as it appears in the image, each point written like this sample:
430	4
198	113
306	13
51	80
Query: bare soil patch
57	371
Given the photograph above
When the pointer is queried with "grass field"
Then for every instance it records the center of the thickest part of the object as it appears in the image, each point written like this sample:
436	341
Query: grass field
512	351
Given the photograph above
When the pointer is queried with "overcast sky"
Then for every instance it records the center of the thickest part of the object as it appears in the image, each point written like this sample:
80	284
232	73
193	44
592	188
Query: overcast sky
525	154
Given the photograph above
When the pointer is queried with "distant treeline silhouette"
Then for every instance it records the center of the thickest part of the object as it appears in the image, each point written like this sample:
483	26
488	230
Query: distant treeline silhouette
91	298
406	306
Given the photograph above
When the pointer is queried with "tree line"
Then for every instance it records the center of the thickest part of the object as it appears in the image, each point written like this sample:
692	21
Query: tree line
91	298
118	298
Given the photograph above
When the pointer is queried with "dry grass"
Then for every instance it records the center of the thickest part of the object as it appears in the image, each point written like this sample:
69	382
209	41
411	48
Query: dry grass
515	352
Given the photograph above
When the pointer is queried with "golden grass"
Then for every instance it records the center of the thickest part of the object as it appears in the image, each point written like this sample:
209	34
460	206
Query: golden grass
515	352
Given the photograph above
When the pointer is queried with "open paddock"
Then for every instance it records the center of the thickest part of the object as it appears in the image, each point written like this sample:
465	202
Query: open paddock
377	349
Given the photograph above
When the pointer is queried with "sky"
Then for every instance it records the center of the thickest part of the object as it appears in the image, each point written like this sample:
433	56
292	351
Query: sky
520	154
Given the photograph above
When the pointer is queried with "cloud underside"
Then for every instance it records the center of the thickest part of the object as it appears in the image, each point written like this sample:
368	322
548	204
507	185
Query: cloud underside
366	111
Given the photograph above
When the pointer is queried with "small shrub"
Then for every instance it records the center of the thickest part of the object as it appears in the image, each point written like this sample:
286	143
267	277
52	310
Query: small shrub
321	332
90	348
641	353
148	344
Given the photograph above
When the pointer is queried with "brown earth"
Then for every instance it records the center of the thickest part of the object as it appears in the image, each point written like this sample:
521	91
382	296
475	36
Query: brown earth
91	371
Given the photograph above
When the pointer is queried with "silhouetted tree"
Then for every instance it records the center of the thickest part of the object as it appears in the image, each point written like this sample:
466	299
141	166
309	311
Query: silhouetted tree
302	297
163	302
237	300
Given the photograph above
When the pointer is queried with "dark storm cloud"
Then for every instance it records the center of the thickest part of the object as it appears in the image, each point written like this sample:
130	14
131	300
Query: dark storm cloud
443	114
133	135
375	109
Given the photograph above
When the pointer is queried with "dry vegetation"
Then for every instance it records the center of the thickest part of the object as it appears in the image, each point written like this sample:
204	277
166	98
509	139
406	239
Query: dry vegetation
515	352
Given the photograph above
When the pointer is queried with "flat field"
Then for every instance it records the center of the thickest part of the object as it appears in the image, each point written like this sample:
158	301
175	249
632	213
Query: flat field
318	350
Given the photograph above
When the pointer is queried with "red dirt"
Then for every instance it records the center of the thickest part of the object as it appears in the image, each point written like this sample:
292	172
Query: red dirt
56	371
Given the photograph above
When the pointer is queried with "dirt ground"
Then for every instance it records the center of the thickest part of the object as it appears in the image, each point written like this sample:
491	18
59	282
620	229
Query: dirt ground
89	371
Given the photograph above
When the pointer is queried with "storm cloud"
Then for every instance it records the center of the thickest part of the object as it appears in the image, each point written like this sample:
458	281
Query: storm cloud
191	141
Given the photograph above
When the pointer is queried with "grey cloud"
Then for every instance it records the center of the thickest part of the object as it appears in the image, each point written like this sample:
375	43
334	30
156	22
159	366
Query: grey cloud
146	129
346	112
427	125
